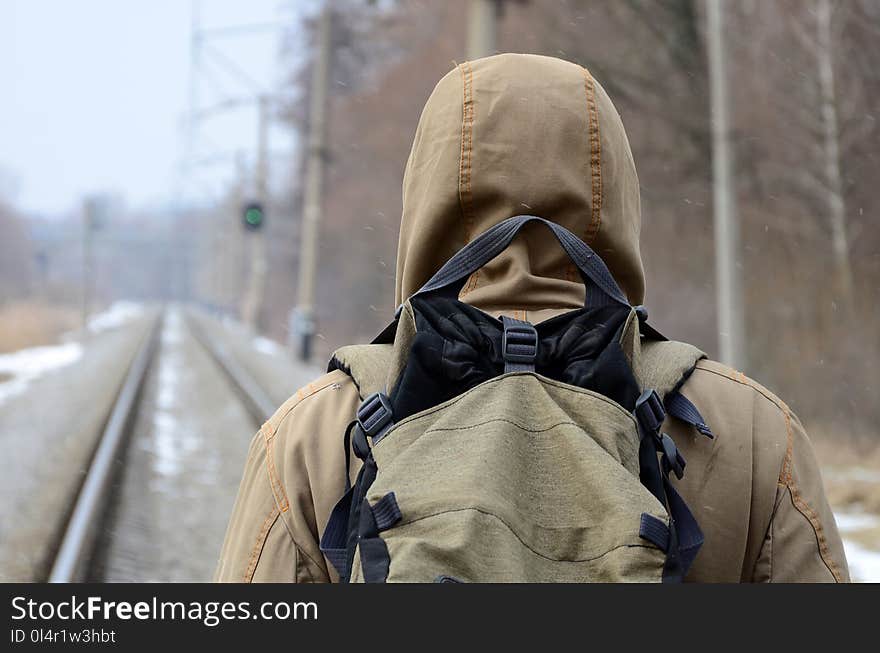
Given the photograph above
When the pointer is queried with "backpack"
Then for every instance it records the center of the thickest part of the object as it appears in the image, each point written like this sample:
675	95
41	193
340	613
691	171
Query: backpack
494	450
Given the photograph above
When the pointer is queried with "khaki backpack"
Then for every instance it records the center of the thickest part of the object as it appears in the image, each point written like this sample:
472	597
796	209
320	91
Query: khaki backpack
499	451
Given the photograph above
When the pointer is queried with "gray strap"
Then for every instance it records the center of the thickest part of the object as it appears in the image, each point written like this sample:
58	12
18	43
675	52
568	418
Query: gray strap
602	289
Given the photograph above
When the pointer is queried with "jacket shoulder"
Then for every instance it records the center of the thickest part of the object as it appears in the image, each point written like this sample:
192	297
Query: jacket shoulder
804	543
744	412
310	394
727	377
304	437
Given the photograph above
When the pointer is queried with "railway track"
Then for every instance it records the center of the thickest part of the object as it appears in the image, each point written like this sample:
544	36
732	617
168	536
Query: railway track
155	499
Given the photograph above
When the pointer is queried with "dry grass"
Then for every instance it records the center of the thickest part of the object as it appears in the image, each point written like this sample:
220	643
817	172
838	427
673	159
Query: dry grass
850	469
866	537
849	495
33	323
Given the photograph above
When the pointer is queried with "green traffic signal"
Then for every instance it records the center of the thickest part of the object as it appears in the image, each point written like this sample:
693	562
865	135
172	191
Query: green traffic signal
253	215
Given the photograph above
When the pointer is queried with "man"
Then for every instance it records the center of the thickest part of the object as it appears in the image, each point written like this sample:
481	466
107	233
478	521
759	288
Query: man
498	137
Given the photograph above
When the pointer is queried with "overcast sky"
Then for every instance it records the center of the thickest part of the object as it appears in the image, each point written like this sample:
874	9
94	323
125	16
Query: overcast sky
95	94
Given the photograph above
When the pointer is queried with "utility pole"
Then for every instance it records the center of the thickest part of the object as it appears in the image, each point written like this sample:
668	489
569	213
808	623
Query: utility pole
95	212
253	297
482	28
727	279
90	210
304	319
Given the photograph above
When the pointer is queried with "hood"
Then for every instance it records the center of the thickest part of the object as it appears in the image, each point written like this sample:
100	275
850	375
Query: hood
513	134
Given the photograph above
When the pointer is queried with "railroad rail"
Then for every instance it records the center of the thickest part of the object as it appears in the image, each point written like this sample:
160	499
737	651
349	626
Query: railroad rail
78	544
255	398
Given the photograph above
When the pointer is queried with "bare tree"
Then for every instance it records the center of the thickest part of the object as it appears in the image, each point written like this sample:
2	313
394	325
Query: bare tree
831	146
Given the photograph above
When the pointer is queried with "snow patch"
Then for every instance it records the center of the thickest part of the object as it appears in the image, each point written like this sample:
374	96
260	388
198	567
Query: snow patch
165	425
118	314
26	365
864	563
175	441
847	522
267	346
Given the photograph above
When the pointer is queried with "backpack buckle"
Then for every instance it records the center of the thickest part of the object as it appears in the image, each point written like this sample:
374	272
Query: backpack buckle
519	345
650	411
374	415
672	457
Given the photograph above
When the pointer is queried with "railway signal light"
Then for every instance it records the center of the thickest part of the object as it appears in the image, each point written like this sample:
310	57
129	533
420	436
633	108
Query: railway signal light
253	215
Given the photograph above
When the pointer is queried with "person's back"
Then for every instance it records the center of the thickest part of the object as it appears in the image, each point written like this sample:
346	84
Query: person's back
499	137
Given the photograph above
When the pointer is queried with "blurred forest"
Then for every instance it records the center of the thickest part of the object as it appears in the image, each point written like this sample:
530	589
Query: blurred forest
804	80
812	330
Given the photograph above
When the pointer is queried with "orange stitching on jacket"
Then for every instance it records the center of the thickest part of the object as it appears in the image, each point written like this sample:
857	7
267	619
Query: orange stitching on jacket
786	477
595	159
270	428
813	517
277	489
785	472
301	394
258	545
465	166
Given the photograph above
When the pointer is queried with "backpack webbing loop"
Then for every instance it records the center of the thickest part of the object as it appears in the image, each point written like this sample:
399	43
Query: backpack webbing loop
655	531
685	536
680	407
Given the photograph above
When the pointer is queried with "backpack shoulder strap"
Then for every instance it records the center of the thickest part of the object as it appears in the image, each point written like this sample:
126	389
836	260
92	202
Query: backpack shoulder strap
665	365
367	365
377	367
661	367
657	363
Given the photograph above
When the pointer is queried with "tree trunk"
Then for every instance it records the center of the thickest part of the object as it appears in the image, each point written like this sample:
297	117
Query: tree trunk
831	146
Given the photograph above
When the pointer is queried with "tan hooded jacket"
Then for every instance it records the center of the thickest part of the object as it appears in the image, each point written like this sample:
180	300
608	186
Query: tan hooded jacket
498	137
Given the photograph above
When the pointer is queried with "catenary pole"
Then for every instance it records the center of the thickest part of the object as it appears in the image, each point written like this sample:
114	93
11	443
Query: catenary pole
312	204
727	277
253	300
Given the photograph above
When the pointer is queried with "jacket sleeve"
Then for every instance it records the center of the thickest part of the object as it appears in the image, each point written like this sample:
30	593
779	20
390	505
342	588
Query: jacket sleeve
294	474
257	545
802	543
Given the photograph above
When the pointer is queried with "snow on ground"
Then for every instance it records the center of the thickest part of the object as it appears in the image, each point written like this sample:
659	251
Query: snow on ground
115	316
25	365
267	346
165	424
864	563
